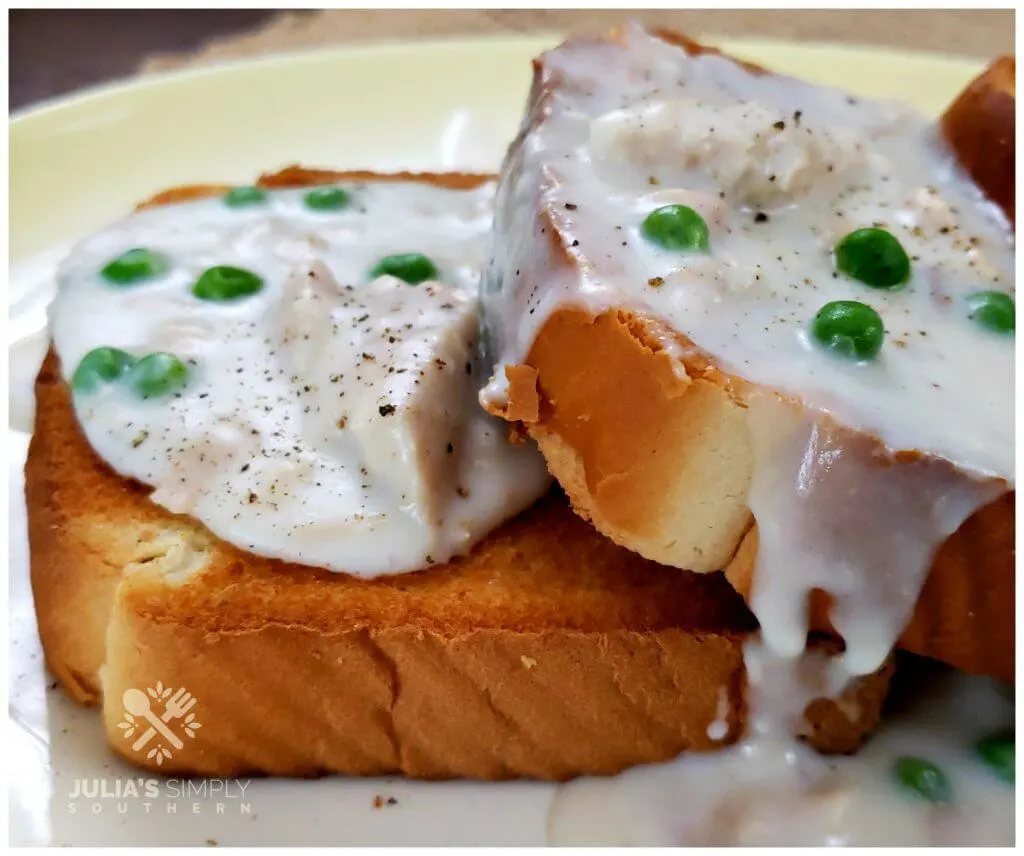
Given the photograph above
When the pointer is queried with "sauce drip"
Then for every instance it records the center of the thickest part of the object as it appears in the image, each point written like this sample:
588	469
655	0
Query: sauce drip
835	513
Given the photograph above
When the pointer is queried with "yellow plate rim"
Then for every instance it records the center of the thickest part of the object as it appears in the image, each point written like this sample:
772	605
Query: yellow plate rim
536	41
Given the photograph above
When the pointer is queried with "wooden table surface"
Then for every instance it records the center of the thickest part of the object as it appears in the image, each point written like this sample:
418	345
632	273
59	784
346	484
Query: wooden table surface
53	52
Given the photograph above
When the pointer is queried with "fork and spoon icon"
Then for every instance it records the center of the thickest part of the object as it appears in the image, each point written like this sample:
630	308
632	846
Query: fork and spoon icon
136	702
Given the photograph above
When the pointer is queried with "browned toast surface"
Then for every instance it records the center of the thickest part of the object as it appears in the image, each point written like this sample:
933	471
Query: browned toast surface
662	464
548	652
980	127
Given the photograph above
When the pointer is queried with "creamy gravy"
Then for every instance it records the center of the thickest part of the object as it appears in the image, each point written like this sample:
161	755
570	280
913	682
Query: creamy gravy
779	170
830	517
331	418
776	792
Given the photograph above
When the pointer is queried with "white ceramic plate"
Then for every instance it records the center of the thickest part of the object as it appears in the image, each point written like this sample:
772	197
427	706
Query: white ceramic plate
81	162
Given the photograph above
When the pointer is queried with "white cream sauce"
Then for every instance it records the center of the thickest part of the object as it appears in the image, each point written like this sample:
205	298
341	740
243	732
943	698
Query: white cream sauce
830	516
638	125
780	170
330	419
776	792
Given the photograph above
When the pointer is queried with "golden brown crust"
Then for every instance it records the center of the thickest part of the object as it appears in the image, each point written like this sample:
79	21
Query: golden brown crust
980	127
299	176
661	462
548	652
490	704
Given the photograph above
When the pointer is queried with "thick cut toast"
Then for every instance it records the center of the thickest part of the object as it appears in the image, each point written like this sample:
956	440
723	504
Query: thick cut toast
662	464
548	652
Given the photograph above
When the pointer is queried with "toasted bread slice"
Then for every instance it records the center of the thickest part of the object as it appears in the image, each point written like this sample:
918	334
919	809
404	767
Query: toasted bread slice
980	127
662	462
548	652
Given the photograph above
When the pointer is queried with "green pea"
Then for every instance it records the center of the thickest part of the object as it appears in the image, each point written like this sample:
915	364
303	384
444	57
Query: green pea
414	268
676	227
993	310
327	199
923	779
241	197
157	375
135	266
225	282
100	365
850	329
999	751
874	257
